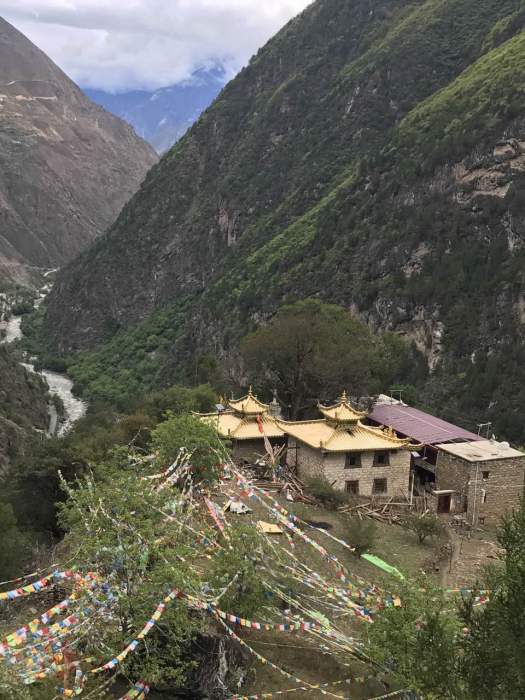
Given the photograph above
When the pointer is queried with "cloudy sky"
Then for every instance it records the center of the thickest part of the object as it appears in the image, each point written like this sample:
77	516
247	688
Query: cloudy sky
123	44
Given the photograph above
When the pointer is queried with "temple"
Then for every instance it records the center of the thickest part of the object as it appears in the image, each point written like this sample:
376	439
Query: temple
352	456
245	422
338	446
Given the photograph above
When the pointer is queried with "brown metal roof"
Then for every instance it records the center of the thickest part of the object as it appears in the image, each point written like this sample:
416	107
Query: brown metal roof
418	425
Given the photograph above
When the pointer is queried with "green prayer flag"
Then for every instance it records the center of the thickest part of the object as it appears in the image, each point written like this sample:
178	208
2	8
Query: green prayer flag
376	561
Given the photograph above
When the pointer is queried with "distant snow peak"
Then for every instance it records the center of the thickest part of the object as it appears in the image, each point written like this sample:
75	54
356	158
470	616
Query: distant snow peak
163	116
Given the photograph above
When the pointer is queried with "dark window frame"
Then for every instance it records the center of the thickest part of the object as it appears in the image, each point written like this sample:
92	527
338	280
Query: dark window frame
383	454
355	484
376	491
357	456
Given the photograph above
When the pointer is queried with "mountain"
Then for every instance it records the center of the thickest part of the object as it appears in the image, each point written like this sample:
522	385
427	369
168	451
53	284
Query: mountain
372	154
66	166
163	116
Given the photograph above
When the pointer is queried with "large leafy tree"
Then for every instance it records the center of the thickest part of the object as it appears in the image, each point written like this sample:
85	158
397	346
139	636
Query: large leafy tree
311	350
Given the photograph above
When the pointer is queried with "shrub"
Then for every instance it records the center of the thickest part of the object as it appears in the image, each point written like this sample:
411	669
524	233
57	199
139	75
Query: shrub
324	492
362	535
424	526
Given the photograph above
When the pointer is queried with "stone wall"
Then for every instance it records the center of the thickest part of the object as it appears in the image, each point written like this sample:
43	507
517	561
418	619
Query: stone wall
453	474
309	461
483	499
313	463
490	498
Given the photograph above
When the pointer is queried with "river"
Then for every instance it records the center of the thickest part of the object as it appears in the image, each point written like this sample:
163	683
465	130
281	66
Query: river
59	384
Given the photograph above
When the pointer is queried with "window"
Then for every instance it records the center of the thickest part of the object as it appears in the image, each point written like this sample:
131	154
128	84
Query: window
379	487
485	476
352	487
381	459
353	460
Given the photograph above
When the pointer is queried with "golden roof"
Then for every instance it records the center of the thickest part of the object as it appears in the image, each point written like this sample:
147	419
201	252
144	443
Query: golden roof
232	426
249	405
342	412
320	435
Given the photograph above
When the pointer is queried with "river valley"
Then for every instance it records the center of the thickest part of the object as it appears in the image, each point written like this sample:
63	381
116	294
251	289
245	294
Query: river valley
59	384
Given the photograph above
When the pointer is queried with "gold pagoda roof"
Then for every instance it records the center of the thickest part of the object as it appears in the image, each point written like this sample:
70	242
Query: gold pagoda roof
249	405
231	425
321	435
342	412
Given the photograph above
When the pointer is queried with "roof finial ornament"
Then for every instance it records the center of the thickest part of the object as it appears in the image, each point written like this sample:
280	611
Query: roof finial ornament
344	397
250	391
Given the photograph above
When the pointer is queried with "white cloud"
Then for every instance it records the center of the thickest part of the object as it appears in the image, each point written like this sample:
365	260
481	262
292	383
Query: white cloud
122	44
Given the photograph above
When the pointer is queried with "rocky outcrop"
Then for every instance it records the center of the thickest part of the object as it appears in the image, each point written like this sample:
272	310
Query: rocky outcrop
67	167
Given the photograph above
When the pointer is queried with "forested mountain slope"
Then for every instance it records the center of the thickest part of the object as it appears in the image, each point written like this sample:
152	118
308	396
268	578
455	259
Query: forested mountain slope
23	407
372	154
66	166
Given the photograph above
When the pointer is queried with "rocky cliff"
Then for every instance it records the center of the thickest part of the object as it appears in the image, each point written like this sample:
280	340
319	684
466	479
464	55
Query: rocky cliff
66	166
372	155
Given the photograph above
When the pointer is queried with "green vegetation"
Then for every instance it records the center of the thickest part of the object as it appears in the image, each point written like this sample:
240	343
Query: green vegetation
495	648
418	642
34	488
23	407
310	351
190	433
321	489
336	179
469	652
245	557
362	534
425	526
13	545
120	528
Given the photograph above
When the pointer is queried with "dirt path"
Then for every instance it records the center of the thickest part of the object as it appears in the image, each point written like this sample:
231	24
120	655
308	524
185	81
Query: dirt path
469	559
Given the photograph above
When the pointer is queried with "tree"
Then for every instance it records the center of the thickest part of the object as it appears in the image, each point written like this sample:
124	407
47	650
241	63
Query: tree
425	526
311	351
417	642
199	439
239	568
495	646
134	536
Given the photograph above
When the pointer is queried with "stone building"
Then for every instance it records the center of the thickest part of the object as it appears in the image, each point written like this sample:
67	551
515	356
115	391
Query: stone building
351	456
482	479
458	471
246	422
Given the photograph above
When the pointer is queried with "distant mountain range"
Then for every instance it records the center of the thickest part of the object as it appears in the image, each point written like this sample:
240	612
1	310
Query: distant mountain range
163	116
